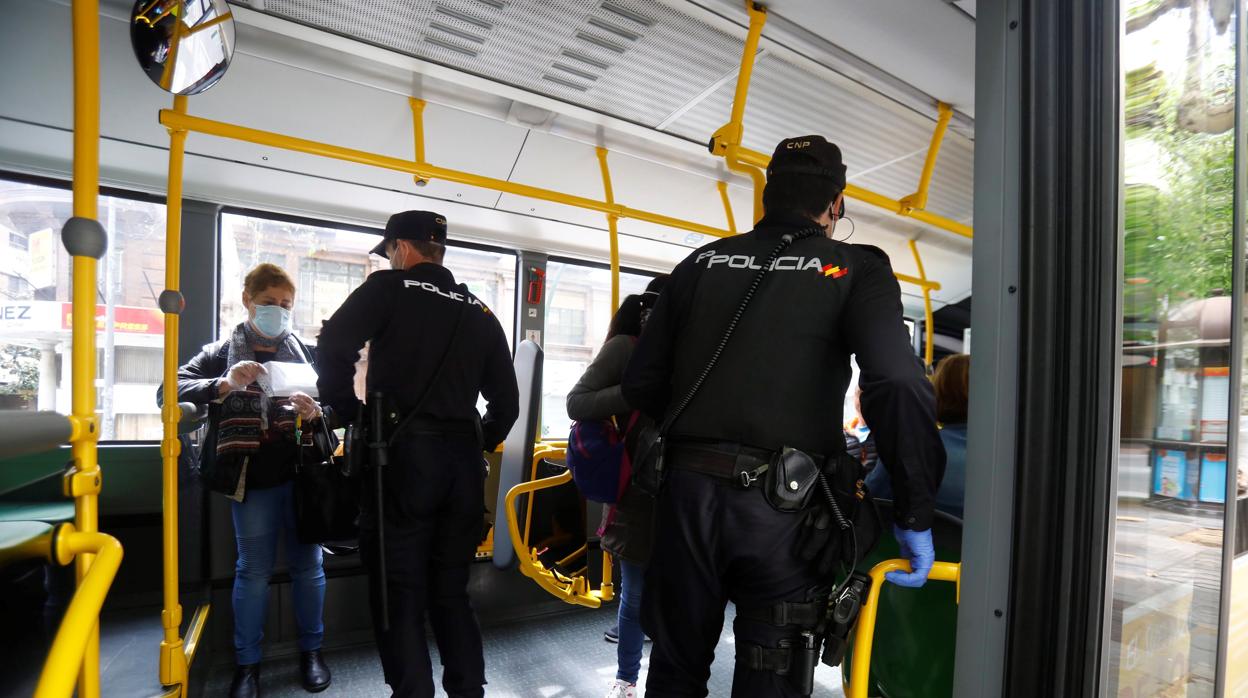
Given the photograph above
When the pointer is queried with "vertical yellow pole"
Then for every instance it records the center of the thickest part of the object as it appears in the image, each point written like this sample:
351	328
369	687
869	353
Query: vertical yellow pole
613	221
418	133
173	667
727	139
918	200
723	194
82	482
929	332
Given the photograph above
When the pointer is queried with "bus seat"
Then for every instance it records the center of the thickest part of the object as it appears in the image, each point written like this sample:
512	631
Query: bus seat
517	459
915	629
49	512
18	540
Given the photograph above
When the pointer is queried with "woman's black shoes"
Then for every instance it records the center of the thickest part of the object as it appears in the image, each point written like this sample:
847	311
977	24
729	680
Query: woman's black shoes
313	670
246	683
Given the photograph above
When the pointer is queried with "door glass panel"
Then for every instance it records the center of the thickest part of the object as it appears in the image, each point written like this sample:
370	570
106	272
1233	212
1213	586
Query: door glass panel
1178	61
578	311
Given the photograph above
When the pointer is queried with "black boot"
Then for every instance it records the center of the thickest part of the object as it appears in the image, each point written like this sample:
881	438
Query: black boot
246	683
314	671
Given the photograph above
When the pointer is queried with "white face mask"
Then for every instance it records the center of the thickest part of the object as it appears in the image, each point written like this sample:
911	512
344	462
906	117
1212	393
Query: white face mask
394	264
272	321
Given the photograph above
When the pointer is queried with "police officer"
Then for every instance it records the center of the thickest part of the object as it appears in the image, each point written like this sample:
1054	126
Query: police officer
779	382
434	348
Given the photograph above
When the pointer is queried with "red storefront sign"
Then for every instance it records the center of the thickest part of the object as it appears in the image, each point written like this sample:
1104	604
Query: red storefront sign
125	319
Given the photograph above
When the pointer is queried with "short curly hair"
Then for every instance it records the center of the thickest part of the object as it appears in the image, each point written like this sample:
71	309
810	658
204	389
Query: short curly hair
264	277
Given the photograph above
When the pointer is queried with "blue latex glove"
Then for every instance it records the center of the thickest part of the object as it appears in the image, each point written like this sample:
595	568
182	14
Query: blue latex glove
917	547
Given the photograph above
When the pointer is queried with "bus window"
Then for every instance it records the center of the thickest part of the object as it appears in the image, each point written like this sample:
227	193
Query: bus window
35	305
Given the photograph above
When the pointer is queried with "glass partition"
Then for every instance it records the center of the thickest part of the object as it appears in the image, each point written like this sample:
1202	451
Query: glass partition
1178	63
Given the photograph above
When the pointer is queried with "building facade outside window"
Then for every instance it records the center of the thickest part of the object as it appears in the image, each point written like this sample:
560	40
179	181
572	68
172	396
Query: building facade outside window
35	273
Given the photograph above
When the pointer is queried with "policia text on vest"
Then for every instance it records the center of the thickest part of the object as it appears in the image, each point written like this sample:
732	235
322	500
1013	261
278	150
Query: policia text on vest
433	348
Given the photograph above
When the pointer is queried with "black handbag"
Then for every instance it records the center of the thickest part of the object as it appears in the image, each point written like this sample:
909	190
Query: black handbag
327	501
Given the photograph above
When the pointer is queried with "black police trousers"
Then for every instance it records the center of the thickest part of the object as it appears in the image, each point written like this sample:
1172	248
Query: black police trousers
717	542
433	505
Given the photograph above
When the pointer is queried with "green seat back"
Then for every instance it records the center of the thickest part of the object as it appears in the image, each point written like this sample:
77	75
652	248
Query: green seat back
915	629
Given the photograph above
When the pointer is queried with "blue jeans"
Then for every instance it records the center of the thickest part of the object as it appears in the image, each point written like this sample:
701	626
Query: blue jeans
628	651
260	520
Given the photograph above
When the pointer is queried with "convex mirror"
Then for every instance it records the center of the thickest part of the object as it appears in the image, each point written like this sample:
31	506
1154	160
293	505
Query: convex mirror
184	46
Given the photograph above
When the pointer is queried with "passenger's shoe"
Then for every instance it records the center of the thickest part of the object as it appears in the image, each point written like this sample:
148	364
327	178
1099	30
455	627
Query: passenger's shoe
314	671
246	683
613	634
622	689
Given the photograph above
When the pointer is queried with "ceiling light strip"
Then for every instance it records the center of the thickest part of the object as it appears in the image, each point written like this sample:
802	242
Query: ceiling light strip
701	96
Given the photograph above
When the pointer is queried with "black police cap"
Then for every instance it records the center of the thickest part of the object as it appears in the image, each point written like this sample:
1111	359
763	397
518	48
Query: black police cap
809	155
420	226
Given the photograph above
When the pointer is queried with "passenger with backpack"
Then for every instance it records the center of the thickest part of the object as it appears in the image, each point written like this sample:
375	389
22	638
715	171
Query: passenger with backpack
598	455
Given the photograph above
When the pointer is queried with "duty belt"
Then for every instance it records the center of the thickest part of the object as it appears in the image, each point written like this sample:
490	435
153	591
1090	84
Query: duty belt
724	460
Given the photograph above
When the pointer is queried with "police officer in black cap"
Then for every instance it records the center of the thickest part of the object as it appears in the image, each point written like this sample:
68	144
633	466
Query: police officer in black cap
776	387
434	347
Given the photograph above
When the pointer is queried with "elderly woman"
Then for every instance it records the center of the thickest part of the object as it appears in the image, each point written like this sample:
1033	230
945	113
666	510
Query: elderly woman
249	456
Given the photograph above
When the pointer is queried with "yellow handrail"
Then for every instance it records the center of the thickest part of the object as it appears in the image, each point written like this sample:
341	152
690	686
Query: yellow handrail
82	482
612	227
174	120
918	200
574	590
172	668
864	634
929	326
722	186
80	626
220	129
726	142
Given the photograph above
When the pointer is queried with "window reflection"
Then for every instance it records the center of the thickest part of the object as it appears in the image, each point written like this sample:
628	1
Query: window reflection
1179	65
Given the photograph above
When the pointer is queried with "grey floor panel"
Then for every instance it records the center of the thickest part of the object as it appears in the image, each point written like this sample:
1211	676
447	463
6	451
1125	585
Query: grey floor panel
561	656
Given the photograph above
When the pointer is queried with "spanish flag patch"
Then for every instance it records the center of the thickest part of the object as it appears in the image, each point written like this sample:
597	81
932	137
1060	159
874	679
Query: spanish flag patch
835	271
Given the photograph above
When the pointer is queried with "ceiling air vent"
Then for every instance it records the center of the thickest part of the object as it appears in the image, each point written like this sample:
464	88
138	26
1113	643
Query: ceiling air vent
587	60
574	71
442	43
463	17
496	4
566	83
601	42
614	29
620	11
447	29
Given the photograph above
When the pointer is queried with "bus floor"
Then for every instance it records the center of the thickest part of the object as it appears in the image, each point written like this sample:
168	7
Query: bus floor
557	656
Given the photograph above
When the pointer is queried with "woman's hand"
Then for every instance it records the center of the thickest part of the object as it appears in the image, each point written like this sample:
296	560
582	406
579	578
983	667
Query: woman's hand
241	375
305	406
